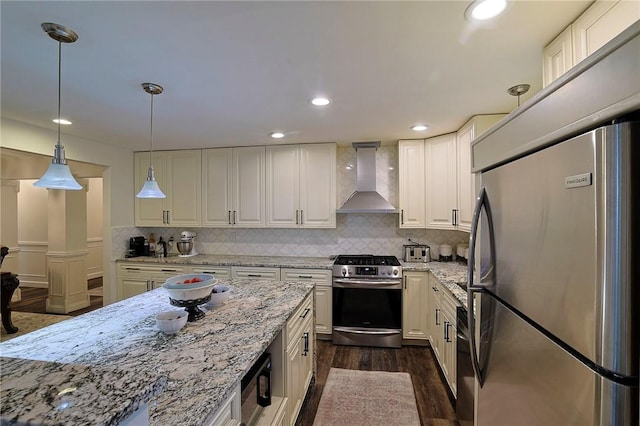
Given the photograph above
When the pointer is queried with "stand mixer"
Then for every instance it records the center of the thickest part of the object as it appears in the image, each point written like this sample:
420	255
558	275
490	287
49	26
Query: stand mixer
186	245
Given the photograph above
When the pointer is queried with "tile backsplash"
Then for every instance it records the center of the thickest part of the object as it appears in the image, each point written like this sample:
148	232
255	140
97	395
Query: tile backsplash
354	234
374	233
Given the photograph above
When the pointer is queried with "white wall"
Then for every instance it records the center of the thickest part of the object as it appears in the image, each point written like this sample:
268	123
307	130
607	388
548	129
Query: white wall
118	192
33	234
94	227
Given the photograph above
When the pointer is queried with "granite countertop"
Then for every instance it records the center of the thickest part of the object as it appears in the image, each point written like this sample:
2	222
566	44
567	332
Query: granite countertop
202	363
50	393
238	260
452	275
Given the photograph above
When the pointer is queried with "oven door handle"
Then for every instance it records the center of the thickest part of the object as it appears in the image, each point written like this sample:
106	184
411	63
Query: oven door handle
355	283
368	331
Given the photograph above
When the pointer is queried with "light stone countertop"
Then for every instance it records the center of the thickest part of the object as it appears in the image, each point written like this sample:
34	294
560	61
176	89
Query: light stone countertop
50	393
203	362
238	260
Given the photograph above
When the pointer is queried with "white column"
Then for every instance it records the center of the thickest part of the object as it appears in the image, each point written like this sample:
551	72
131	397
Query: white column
67	254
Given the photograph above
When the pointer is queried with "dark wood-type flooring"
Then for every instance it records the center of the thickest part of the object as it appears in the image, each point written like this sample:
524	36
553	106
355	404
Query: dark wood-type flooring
432	398
34	300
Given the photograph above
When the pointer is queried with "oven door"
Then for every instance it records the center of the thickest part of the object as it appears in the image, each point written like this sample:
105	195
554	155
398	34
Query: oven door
367	312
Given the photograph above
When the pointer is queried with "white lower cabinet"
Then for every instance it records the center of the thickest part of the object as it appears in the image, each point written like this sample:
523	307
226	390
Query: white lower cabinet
135	278
442	329
229	414
299	356
415	295
323	294
255	273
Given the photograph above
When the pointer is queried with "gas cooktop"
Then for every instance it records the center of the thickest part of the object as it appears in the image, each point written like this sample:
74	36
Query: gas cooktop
366	260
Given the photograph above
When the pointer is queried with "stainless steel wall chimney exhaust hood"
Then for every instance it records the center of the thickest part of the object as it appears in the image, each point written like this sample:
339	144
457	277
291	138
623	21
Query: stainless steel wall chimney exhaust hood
366	199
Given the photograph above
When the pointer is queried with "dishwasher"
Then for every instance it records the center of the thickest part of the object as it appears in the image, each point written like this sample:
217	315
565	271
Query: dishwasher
465	376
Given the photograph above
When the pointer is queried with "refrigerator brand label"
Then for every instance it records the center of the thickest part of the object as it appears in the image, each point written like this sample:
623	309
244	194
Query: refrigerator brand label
576	181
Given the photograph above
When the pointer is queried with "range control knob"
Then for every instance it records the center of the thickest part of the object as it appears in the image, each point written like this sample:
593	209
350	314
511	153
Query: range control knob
395	272
344	271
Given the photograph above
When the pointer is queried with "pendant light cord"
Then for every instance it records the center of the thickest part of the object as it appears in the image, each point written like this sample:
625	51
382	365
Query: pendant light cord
151	133
59	85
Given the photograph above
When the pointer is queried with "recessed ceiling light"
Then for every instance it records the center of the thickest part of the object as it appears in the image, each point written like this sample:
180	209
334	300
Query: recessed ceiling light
481	10
277	135
320	101
61	121
419	127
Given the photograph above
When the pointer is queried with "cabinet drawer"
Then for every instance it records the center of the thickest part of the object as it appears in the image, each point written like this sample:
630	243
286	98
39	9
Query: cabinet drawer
303	314
220	272
318	276
146	269
256	273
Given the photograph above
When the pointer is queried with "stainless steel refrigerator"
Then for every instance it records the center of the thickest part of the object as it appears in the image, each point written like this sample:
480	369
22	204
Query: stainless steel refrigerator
556	282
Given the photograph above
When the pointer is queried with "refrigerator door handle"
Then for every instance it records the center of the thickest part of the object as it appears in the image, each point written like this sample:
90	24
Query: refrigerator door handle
482	202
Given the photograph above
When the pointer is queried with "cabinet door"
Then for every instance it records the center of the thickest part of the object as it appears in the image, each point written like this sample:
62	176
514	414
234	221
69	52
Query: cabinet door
600	23
412	184
467	180
150	211
131	286
435	320
557	57
294	381
414	305
217	176
248	187
318	185
282	186
184	188
324	309
441	191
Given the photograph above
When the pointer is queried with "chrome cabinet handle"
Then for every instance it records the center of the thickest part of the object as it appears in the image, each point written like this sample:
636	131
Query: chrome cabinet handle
437	320
297	222
306	312
301	217
405	282
305	337
447	338
254	275
229	216
234	217
168	217
401	217
305	276
128	268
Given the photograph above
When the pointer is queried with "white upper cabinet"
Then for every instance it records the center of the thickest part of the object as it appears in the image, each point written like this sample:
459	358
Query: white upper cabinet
600	23
441	181
557	57
301	186
412	183
467	180
178	174
233	187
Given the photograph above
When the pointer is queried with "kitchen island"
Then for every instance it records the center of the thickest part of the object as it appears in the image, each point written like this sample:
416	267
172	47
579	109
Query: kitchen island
185	377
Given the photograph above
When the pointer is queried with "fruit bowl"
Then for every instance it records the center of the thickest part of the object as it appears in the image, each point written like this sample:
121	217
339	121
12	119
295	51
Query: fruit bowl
219	295
182	287
171	322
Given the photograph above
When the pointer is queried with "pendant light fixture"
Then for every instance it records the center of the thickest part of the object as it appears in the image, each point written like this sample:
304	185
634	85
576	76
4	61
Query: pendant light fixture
151	188
58	175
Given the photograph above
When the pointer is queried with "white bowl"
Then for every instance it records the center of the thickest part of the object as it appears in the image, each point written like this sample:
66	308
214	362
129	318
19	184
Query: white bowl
171	322
219	295
178	290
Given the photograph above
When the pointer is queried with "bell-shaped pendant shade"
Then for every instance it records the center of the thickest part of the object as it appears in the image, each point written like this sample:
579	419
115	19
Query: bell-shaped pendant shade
58	176
150	189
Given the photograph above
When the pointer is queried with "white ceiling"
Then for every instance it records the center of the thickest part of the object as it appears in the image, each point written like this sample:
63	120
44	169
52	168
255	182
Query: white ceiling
235	71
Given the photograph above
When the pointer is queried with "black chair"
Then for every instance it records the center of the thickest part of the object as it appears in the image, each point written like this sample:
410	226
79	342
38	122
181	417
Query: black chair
8	285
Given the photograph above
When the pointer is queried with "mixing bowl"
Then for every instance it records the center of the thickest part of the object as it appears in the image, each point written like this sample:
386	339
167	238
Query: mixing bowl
184	247
171	321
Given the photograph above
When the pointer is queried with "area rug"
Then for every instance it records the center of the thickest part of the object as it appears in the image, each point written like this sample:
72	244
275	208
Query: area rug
367	398
28	322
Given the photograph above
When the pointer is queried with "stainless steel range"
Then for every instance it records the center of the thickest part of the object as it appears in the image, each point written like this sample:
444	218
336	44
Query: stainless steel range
367	301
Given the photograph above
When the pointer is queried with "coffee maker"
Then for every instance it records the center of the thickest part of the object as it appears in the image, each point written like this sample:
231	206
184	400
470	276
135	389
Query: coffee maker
137	247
